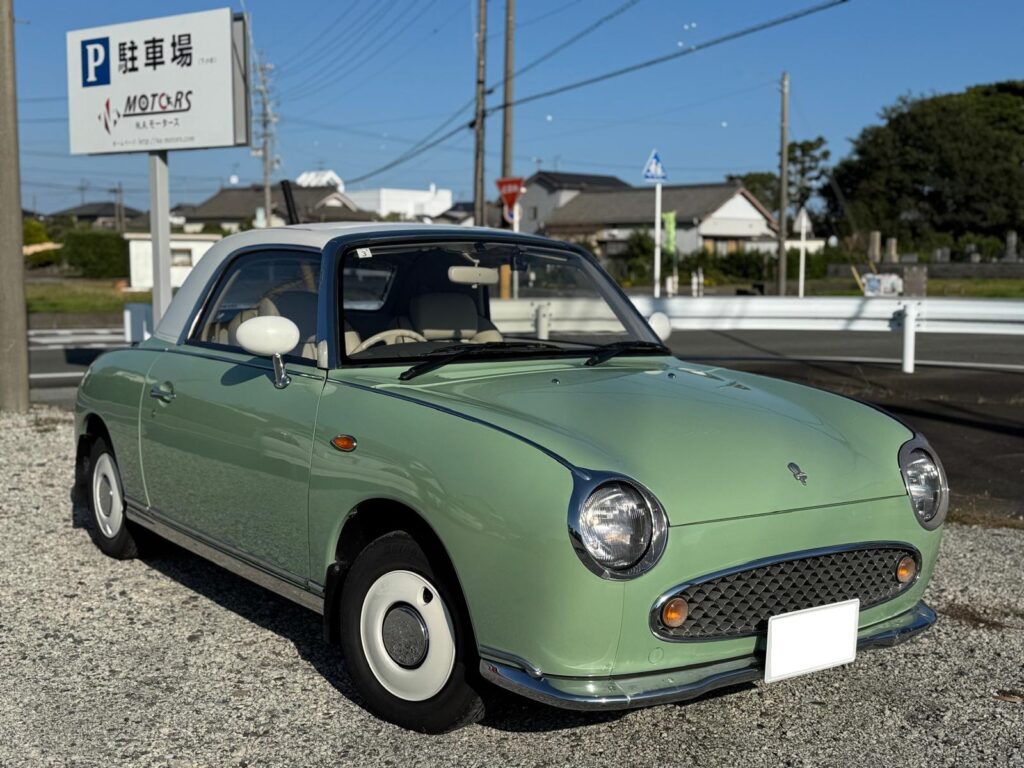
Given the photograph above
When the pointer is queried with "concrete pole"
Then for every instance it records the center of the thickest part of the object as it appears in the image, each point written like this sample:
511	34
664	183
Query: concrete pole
783	181
510	57
160	232
909	335
657	240
803	253
479	200
13	319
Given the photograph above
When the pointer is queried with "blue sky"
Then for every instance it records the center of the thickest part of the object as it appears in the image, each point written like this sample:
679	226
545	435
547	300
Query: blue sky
709	114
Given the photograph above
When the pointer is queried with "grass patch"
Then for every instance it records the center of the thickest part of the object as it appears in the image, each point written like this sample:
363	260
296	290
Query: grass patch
79	296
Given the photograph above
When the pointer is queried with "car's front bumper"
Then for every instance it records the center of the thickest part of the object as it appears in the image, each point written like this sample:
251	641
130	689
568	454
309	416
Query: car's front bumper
590	693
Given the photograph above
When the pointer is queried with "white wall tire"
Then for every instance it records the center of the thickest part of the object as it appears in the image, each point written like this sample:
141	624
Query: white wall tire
110	527
421	675
406	637
107	501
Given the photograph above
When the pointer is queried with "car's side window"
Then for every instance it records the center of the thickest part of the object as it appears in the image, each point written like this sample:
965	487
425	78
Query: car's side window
278	283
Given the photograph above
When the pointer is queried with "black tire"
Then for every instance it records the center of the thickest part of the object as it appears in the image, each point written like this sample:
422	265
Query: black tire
457	703
117	540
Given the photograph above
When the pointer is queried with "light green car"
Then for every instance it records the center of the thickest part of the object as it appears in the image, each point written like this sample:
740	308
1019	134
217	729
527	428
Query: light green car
471	454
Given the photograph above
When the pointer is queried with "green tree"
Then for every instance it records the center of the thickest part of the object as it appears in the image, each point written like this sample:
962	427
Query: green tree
808	170
950	164
33	232
808	173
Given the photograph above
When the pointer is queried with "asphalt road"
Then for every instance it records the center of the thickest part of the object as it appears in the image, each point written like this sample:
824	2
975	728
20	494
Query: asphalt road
171	661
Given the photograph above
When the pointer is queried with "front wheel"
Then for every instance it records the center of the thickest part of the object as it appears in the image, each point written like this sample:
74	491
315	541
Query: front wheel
406	639
110	529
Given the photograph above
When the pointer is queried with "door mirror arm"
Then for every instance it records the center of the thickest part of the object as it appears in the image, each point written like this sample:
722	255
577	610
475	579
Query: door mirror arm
281	377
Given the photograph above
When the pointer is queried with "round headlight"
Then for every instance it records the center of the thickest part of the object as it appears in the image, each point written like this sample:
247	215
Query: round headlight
616	525
924	484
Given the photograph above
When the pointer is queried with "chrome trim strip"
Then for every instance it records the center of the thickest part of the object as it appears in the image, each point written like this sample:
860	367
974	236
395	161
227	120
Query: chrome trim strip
654	616
583	486
218	555
516	661
610	693
918	441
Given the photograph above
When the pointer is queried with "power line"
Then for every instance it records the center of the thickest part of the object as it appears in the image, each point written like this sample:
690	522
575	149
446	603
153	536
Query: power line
308	47
776	22
428	145
427	141
361	34
361	61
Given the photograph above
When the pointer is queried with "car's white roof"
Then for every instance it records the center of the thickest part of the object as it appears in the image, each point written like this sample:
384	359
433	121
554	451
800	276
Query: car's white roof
172	325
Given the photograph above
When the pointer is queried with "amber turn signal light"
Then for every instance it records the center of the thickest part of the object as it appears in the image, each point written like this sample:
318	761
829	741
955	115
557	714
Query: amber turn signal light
674	613
906	569
344	443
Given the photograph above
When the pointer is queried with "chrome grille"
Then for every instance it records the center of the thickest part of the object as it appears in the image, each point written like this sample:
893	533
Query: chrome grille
739	603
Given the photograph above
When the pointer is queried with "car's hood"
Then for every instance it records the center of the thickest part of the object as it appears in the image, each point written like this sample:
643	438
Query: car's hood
709	443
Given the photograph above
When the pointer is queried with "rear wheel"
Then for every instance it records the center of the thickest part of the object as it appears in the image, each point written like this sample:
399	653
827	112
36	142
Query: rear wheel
406	639
110	528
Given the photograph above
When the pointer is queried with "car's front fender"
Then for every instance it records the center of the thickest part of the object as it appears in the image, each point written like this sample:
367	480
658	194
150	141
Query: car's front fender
497	503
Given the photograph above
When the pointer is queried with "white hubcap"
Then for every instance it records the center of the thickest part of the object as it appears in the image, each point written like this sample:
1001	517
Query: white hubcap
407	635
106	497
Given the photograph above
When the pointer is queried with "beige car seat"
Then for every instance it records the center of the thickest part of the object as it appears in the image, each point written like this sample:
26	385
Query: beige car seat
450	316
300	307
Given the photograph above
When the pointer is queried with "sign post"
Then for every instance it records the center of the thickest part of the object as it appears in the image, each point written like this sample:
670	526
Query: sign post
669	219
803	222
510	188
177	82
655	171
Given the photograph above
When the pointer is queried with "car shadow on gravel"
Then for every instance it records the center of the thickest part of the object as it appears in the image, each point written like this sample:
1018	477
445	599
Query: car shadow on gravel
304	629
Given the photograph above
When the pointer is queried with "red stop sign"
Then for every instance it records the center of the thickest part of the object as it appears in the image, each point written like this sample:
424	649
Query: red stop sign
510	188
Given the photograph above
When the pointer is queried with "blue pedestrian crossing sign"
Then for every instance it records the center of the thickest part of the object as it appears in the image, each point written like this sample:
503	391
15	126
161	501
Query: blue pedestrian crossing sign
653	168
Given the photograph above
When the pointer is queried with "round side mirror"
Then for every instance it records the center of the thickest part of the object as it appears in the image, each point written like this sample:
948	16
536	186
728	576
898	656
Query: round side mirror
268	336
661	325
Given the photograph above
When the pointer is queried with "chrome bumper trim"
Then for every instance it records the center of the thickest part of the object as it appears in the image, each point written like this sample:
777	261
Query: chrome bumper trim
608	693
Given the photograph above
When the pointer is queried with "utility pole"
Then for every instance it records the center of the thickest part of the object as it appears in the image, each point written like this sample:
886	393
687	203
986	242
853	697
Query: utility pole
510	56
267	120
479	201
783	182
13	320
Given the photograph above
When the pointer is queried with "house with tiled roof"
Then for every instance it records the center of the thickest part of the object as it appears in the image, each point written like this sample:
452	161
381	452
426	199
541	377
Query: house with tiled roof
549	190
719	218
234	208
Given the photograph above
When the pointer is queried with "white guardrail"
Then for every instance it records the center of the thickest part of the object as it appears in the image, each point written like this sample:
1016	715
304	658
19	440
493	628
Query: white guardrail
908	316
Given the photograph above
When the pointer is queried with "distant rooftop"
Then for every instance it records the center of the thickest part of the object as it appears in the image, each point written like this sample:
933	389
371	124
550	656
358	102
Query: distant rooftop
554	180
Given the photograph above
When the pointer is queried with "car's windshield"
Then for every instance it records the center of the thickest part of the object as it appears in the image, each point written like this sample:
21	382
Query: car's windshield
407	303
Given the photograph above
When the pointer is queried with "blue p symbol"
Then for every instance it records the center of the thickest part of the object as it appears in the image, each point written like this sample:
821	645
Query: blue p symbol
96	62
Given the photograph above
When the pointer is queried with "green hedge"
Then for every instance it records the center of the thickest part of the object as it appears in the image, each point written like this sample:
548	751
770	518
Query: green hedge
96	254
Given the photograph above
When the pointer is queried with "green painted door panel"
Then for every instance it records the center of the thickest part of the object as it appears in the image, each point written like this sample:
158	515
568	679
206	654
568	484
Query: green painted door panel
498	504
228	457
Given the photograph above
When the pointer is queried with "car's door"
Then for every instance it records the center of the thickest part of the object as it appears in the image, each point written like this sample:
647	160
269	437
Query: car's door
225	454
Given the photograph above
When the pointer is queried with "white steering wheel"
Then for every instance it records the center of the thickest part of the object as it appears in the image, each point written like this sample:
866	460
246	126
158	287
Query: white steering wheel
389	337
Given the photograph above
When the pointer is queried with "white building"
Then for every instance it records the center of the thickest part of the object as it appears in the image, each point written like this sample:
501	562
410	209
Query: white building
186	251
405	203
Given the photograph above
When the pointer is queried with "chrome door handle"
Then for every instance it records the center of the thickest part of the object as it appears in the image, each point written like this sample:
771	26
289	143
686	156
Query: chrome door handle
157	391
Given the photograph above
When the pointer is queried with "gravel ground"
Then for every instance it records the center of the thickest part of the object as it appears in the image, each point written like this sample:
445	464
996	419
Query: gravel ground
172	661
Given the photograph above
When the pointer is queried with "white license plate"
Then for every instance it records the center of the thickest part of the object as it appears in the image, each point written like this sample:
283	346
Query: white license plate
810	640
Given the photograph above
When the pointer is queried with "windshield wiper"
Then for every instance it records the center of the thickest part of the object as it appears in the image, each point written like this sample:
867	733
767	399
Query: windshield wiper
608	351
453	352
